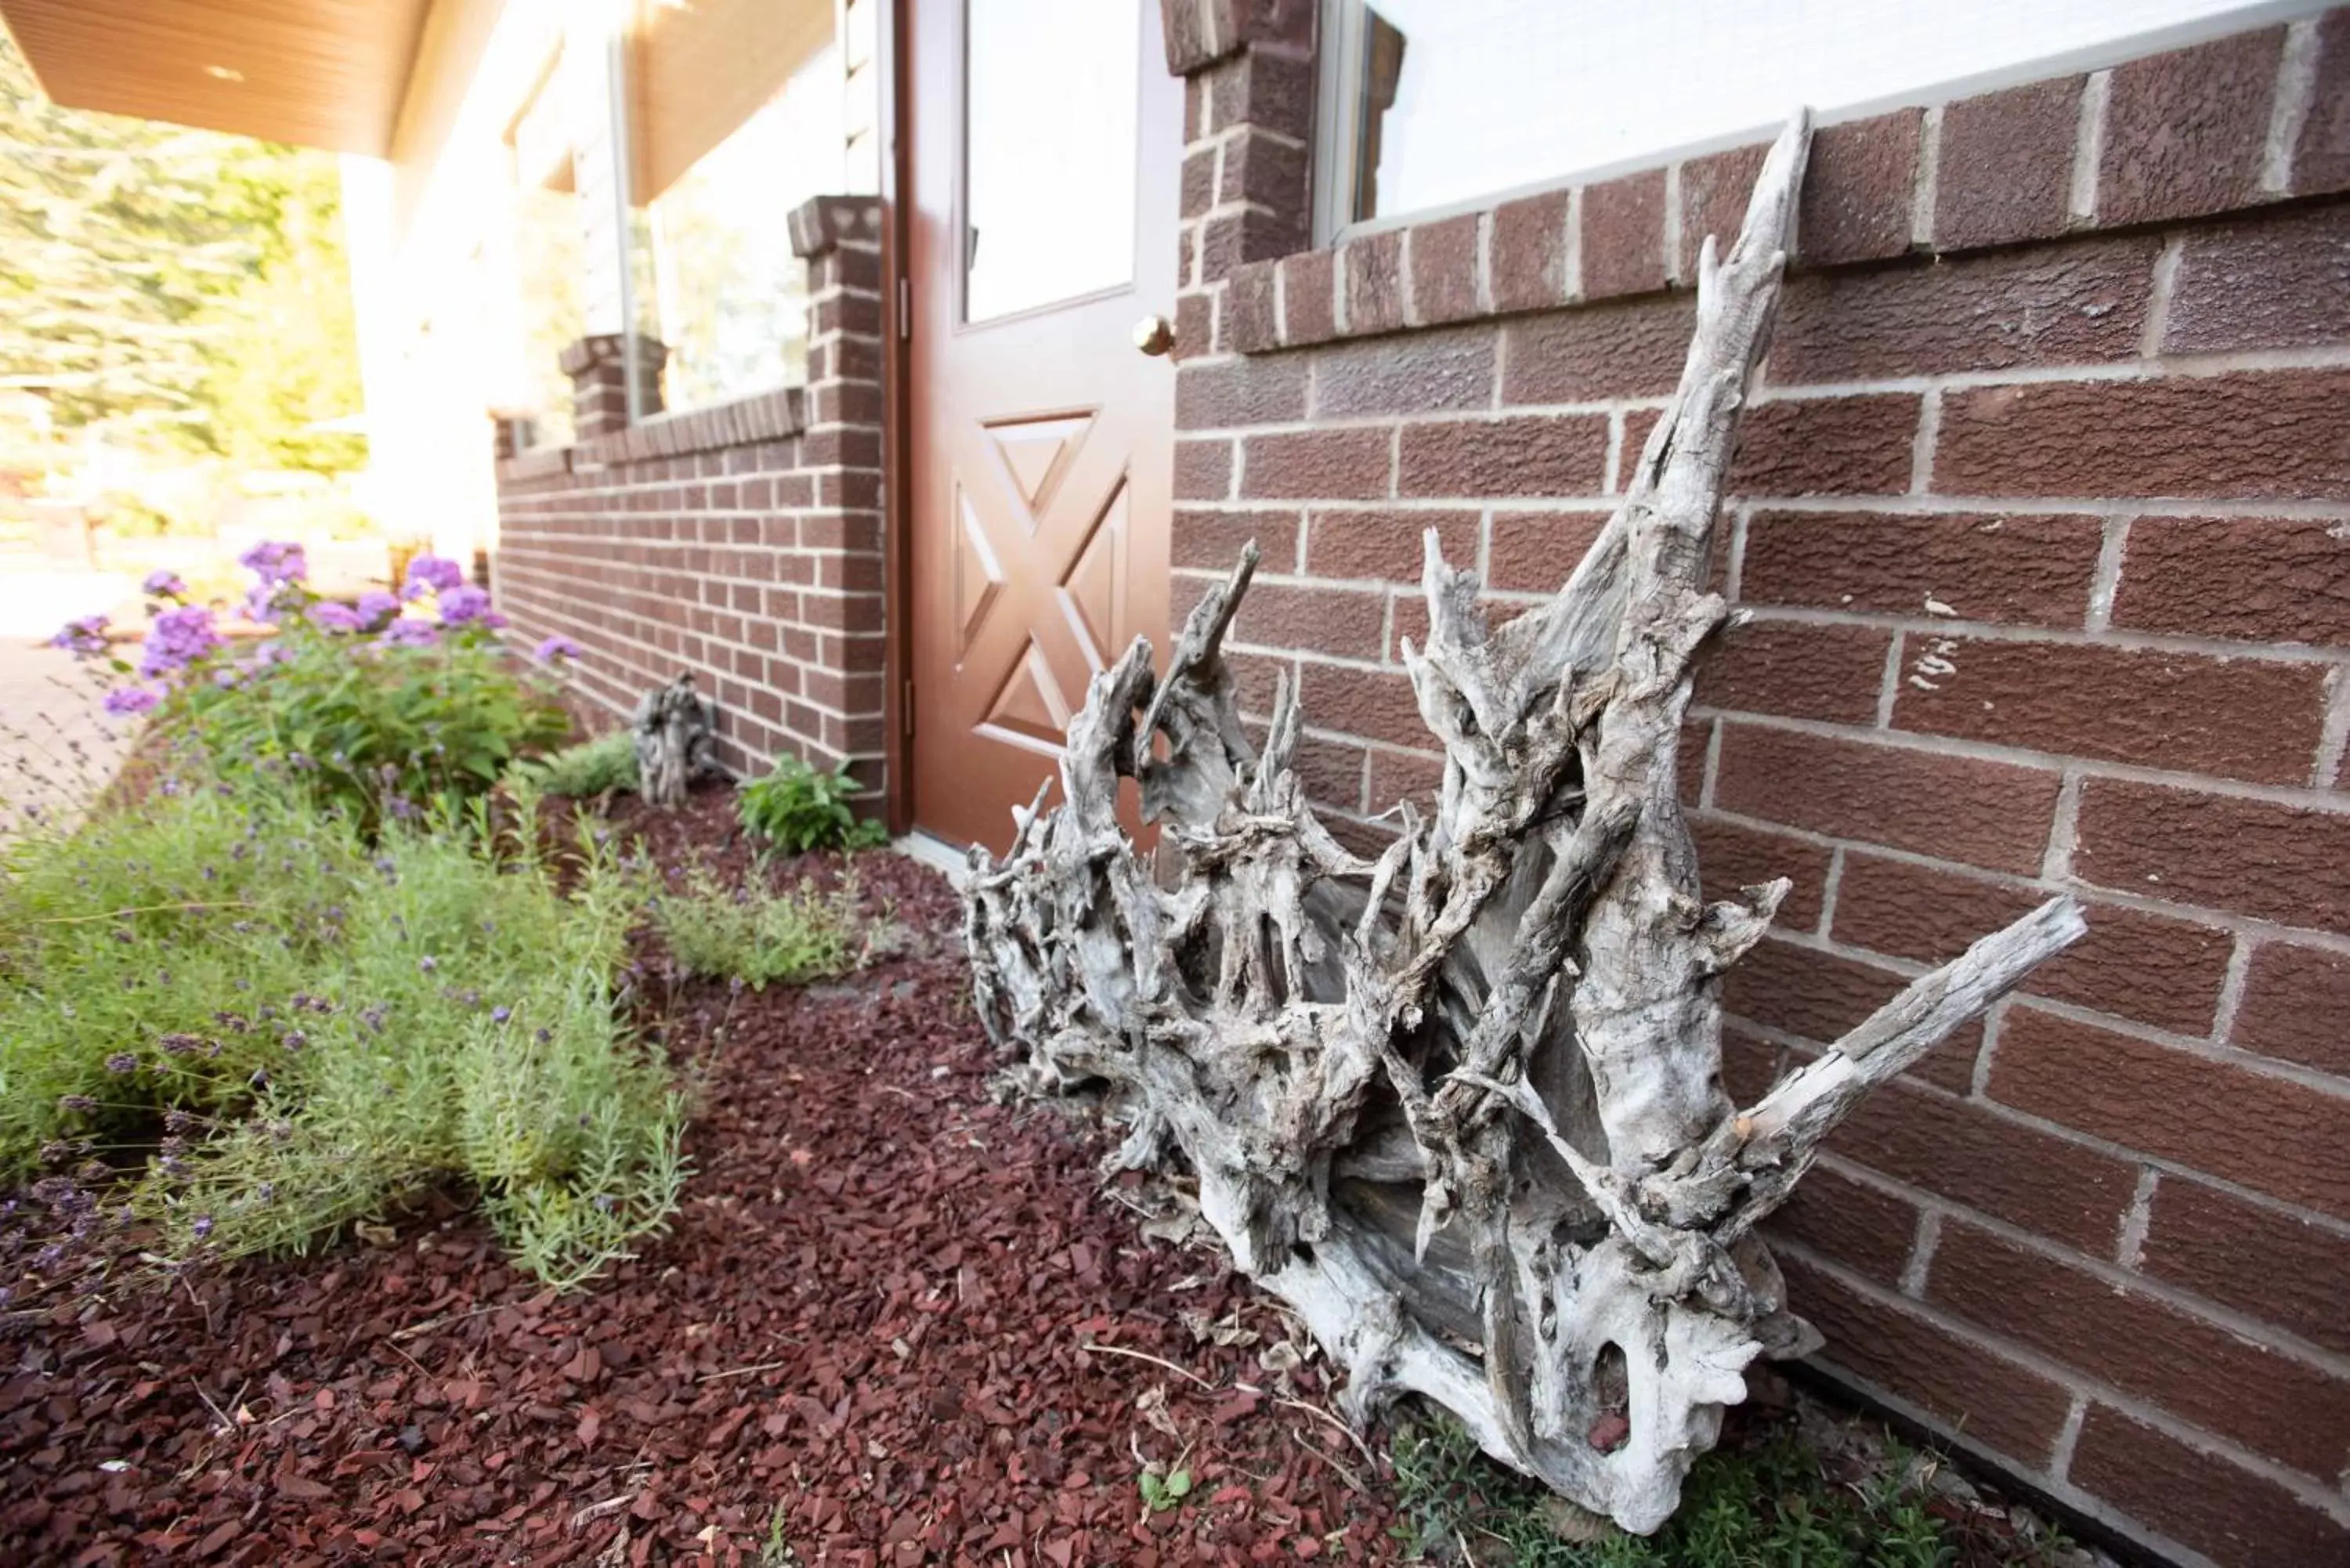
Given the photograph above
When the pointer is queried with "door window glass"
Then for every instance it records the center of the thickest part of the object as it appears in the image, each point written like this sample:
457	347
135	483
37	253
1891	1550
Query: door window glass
1049	150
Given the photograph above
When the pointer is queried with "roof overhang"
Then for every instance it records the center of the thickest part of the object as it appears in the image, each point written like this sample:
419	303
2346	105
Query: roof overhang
315	73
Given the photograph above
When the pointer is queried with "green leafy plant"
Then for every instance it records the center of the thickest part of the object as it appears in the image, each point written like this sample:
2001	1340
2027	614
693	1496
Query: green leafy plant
797	809
605	766
1160	1493
758	936
319	1022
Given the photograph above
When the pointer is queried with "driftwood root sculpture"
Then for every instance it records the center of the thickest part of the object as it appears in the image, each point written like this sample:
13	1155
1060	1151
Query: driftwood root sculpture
675	729
1460	1106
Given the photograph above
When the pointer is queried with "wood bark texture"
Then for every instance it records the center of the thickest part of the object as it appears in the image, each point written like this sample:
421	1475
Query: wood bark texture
675	727
1460	1106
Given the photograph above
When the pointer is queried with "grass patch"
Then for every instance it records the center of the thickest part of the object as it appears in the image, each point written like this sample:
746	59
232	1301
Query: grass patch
1762	1504
270	1024
758	936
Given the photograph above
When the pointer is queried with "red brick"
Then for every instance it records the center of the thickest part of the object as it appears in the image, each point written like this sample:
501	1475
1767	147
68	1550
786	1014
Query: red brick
2137	966
1195	328
1536	552
2276	282
1199	182
1250	321
1822	997
2256	720
2036	570
1995	1401
1386	545
1260	391
2185	132
2004	171
1332	771
1529	252
2296	1000
1624	235
1443	257
2322	157
1735	856
2258	857
1422	372
1264	170
1858	189
1827	446
1266	87
1203	470
2197	1498
2251	434
2269	1133
2260	579
1373	703
1867	1231
1689	759
1397	775
1330	464
1211	541
1715	190
1632	350
1632	448
1968	1153
1372	267
2271	1402
1795	669
2077	304
1529	455
1230	239
1993	815
1309	297
2277	1267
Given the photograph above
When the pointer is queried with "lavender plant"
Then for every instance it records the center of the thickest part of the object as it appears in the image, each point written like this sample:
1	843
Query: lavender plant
263	1024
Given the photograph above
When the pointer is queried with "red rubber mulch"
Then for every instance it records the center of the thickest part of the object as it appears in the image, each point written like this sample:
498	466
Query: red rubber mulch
865	1329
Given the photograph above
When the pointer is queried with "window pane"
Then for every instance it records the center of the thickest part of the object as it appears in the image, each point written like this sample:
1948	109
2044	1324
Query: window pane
735	119
1454	99
1049	151
550	265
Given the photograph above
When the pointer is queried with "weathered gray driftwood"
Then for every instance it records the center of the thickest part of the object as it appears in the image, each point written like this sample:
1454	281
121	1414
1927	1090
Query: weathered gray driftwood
675	727
1460	1106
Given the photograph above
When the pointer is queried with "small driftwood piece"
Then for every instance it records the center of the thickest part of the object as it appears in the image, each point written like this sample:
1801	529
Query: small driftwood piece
675	727
1460	1106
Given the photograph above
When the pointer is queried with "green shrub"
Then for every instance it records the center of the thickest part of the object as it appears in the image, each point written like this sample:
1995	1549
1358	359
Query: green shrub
318	1023
605	766
797	809
757	936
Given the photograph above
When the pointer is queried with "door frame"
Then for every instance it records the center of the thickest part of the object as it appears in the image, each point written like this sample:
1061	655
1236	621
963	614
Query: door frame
894	124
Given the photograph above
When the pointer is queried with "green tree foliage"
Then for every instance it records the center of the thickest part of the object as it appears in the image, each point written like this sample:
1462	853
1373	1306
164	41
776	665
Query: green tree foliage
156	278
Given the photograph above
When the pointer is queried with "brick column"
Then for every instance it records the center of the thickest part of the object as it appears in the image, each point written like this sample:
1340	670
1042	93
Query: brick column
1248	130
599	391
840	705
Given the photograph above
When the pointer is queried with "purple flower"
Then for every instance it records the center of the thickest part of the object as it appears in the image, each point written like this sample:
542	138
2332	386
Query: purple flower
76	1103
428	963
164	584
178	639
122	1062
463	603
126	700
411	634
500	1014
555	648
436	574
83	638
274	562
329	616
376	608
203	1227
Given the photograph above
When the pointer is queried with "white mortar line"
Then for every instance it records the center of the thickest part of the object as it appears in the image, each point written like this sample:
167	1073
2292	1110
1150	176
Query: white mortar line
1922	445
2107	580
2334	739
1930	179
2158	296
2089	147
2296	88
1921	1253
2130	1251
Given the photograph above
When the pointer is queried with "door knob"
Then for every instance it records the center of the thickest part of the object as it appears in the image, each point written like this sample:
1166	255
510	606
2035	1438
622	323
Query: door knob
1154	335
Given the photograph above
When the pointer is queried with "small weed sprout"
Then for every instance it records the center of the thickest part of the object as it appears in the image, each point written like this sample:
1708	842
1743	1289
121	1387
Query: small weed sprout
1160	1493
795	809
758	936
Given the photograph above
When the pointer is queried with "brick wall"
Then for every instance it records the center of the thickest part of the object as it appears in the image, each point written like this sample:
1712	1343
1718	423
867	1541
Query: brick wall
741	542
2043	523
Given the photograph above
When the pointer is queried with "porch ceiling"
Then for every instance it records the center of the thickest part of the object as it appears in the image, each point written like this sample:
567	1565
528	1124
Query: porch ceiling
318	73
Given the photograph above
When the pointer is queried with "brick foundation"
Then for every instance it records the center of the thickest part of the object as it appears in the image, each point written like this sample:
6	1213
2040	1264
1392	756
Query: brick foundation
741	542
2043	522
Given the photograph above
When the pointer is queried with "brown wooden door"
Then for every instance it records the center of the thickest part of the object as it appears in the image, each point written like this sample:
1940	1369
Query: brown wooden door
1047	148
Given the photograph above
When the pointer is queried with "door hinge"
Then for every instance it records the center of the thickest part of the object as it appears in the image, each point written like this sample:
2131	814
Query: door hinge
905	309
906	710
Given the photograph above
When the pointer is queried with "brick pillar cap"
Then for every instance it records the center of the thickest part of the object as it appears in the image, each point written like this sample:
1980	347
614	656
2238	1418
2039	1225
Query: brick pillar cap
599	348
821	224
